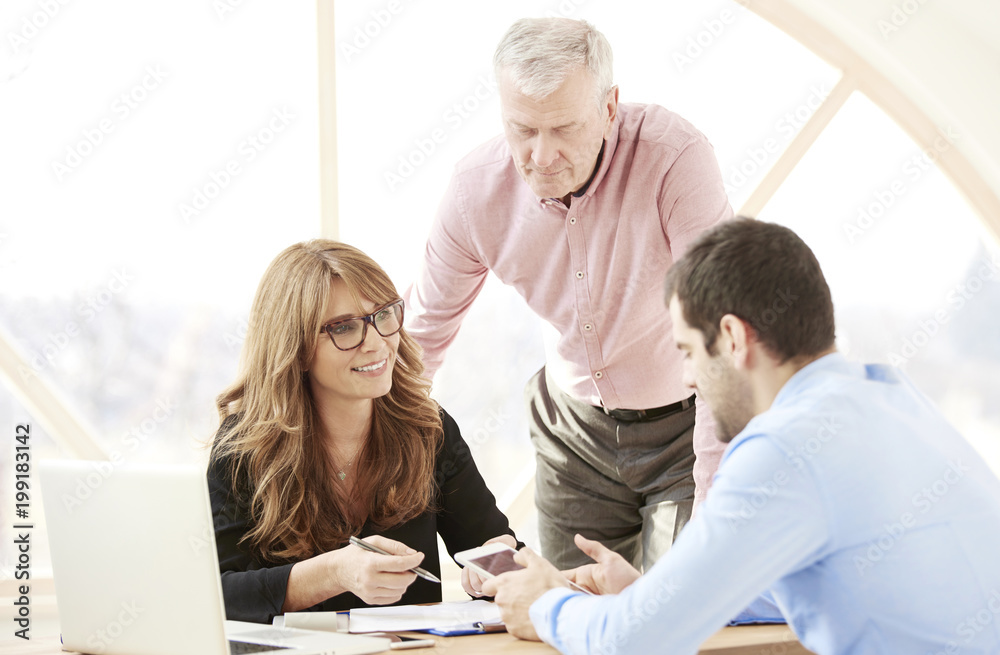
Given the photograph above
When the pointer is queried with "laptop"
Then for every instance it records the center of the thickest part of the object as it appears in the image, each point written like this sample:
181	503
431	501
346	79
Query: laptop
136	570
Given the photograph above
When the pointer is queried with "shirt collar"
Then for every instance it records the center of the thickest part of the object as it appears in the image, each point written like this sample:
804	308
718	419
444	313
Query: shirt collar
593	174
802	377
788	392
605	158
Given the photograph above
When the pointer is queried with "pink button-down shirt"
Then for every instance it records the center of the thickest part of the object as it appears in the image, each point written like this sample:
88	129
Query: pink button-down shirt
593	271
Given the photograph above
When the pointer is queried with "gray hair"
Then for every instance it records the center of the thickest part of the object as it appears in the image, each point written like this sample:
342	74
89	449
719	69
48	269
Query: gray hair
539	53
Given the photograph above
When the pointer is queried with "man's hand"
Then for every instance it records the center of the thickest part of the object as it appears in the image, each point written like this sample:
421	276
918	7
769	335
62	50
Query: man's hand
517	590
610	575
471	581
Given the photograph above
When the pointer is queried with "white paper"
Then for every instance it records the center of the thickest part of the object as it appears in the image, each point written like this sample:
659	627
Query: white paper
442	616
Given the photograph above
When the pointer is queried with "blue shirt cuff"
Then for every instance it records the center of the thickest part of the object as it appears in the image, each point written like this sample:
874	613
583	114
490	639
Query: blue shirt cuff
544	612
762	610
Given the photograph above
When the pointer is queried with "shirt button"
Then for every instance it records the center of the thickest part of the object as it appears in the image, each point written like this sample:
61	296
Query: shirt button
588	327
579	275
572	221
599	375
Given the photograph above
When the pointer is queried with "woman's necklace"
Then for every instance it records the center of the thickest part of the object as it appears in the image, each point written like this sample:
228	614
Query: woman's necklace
342	470
342	473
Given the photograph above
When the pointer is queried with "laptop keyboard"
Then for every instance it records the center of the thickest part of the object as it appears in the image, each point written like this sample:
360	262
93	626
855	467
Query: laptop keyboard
241	647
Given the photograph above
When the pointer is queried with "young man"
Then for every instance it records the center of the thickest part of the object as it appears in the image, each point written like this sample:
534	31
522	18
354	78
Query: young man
843	491
581	206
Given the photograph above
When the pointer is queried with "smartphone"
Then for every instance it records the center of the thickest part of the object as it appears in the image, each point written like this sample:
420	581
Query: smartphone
489	560
496	558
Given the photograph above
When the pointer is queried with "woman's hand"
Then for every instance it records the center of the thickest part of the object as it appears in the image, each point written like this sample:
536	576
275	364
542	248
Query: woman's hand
376	579
471	581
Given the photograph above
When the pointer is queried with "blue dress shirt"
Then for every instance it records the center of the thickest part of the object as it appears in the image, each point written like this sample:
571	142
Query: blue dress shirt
872	522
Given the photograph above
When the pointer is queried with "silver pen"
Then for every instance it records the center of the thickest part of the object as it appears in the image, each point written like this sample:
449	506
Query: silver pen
423	573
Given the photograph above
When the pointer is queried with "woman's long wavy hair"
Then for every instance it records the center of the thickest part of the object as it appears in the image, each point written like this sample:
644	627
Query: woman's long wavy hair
273	434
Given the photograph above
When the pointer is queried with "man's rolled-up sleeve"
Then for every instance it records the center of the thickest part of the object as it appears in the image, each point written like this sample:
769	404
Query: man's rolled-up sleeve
450	278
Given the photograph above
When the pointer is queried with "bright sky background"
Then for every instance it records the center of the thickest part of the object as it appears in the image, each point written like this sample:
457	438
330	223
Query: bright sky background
226	71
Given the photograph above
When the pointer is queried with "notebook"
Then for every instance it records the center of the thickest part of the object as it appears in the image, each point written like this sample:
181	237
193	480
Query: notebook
136	570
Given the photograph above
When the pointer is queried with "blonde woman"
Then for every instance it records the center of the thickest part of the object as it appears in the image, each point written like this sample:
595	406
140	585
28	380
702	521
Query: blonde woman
329	432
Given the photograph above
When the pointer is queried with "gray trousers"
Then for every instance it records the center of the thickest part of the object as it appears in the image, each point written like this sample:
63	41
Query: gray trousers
627	485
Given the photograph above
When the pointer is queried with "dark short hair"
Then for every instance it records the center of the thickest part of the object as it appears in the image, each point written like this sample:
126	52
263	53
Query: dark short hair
762	273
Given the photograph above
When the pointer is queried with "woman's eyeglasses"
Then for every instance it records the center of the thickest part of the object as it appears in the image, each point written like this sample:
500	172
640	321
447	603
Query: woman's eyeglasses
350	333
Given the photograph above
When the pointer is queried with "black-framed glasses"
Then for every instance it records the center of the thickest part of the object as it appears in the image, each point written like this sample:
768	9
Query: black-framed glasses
350	333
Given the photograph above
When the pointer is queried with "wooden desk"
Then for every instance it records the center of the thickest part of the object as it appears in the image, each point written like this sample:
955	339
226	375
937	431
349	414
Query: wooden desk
744	640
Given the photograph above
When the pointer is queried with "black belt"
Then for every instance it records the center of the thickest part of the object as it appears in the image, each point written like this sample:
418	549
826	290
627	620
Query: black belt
639	415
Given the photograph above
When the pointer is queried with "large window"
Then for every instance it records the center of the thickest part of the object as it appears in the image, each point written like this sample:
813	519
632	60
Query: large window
154	159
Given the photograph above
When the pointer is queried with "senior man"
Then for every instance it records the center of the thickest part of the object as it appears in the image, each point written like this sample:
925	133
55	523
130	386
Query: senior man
582	205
